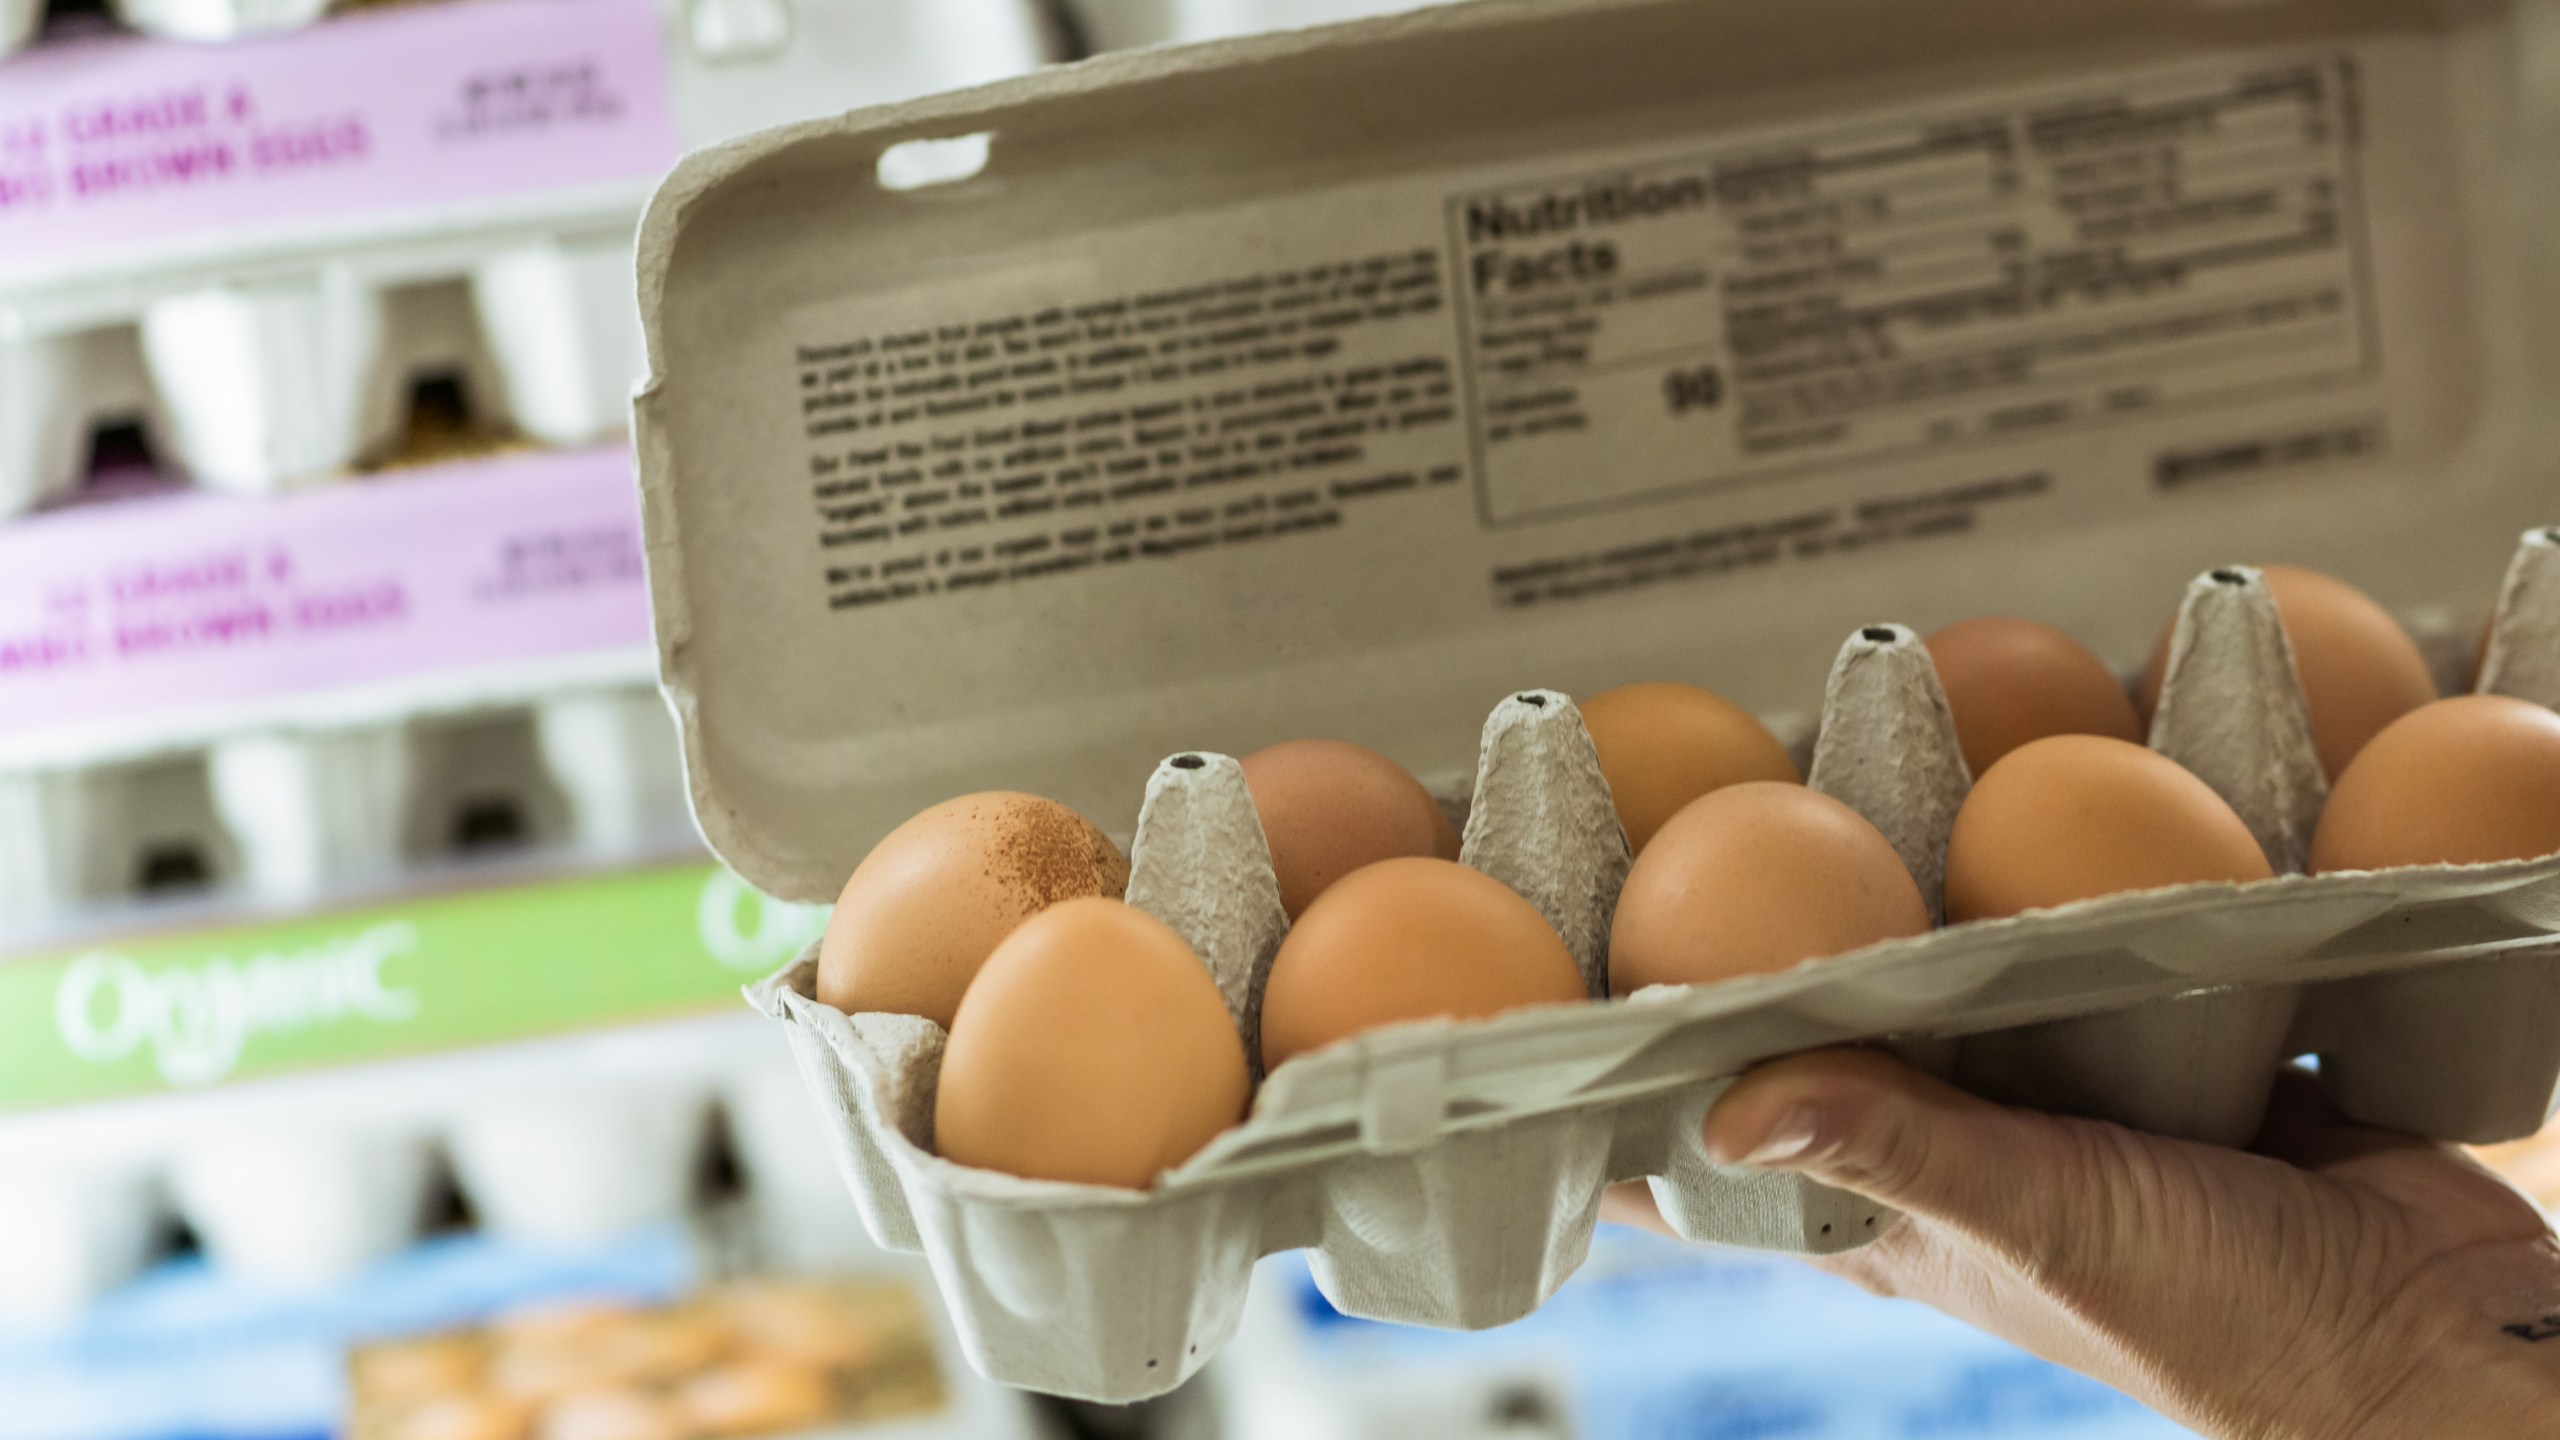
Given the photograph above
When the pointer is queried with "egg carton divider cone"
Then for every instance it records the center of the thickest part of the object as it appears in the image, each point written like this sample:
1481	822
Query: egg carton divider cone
1449	1174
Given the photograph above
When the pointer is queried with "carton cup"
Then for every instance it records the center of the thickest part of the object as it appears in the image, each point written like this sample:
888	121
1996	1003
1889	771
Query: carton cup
42	838
580	1166
558	316
613	754
273	384
18	22
70	1232
214	20
311	811
303	1210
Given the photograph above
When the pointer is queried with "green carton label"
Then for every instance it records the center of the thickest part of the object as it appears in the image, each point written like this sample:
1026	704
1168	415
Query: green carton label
438	973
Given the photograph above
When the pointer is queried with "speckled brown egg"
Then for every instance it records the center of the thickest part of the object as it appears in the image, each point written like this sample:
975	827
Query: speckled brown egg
1328	808
2465	781
1663	745
2360	671
933	900
1753	879
1093	1048
1410	939
2075	817
2010	681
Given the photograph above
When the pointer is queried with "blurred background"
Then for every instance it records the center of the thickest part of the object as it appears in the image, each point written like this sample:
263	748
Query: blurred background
371	1058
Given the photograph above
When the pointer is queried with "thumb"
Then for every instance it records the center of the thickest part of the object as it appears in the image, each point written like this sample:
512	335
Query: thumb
1862	1121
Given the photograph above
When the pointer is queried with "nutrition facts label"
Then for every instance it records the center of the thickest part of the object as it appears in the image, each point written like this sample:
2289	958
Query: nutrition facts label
1897	287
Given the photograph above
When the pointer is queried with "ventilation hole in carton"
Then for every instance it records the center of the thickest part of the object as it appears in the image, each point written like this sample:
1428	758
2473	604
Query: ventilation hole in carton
2551	537
491	822
1877	635
171	865
119	447
919	164
1520	1407
1534	702
448	1210
77	17
440	398
2229	577
720	1177
1871	1222
1151	1364
1189	762
1826	1229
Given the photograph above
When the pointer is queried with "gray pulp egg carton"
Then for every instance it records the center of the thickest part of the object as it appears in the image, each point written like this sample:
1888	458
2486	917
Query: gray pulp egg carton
1450	1174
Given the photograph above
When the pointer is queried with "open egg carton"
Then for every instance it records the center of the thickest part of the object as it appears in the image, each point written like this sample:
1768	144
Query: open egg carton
1449	1174
303	1183
1372	390
260	318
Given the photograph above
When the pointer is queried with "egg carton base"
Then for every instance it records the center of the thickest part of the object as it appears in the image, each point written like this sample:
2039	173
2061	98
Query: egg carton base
1449	1175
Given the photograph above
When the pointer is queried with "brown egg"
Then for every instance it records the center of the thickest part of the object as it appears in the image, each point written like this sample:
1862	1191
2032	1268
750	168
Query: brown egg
1409	940
1663	745
2075	817
1328	808
2010	681
2464	781
1093	1048
1757	878
933	900
2360	671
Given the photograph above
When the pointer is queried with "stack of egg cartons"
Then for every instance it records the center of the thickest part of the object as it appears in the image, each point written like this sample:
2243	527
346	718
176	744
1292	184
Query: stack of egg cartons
265	639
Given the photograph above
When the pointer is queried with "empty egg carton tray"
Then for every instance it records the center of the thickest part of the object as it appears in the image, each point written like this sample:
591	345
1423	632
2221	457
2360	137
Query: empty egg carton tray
1449	1174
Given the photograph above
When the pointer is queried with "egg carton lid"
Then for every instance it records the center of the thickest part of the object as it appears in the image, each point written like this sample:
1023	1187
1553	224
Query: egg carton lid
1338	382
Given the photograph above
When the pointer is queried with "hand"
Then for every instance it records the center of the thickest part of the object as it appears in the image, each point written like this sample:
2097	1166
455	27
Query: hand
2334	1283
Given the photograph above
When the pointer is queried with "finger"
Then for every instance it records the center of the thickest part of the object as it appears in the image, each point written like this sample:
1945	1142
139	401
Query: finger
1863	1121
1630	1202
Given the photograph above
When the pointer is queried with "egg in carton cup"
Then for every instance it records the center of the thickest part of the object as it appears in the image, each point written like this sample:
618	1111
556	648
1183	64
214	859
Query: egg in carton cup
1137	435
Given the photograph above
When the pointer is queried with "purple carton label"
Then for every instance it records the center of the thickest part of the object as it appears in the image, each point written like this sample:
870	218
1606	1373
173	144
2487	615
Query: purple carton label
121	145
227	606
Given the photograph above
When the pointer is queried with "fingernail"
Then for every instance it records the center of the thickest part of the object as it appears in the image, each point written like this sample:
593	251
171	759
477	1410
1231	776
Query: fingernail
1787	1141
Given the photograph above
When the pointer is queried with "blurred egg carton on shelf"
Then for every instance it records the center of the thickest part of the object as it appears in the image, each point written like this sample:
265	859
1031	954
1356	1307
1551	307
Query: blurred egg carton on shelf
272	819
308	1179
285	698
342	1221
241	251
